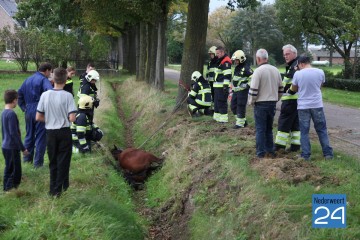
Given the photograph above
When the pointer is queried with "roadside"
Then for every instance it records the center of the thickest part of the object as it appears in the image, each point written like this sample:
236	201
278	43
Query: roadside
342	123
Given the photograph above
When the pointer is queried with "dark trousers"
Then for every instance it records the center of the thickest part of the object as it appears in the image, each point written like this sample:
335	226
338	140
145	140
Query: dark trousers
264	113
220	101
59	147
238	103
12	171
35	139
211	83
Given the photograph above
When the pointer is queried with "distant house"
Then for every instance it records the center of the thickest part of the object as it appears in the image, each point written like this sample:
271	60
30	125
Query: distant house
8	9
324	55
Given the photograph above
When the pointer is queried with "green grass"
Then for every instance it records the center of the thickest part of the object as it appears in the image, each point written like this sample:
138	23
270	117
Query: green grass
341	97
98	203
13	66
228	198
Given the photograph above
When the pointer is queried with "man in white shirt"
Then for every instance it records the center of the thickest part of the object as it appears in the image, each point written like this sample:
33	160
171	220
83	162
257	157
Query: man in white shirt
307	82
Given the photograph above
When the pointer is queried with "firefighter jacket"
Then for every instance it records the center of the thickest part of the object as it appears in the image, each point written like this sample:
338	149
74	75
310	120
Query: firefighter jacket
241	79
31	90
69	86
223	72
212	64
86	88
201	92
81	130
291	68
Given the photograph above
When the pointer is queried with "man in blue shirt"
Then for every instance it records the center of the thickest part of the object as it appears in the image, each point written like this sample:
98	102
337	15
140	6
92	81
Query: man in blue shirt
29	96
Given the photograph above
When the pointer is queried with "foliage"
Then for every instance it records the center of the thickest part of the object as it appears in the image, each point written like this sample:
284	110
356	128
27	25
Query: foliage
100	47
343	84
335	22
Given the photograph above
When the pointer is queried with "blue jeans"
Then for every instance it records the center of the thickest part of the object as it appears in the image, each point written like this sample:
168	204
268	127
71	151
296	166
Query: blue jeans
318	117
264	113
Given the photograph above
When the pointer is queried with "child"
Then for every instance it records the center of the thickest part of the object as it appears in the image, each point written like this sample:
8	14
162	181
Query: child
57	109
11	142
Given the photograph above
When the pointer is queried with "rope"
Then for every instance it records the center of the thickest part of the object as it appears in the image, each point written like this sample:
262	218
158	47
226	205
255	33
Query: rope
165	122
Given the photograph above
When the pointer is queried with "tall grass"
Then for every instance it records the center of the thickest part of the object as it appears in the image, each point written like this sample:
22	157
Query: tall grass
98	203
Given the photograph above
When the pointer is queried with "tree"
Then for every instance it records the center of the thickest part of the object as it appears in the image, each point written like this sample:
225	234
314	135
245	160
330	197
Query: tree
336	22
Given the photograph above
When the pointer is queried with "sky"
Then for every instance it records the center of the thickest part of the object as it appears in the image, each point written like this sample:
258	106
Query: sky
214	4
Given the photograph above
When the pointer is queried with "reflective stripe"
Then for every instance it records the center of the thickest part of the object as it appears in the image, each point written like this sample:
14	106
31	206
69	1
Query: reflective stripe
207	90
226	82
295	137
218	84
202	103
192	107
287	96
240	121
210	79
282	138
192	93
82	141
80	128
216	116
226	71
213	69
223	118
286	81
69	81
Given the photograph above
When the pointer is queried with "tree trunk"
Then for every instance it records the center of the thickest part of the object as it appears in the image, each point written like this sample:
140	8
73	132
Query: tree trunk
137	49
132	50
148	46
153	53
194	44
160	57
120	56
142	52
126	50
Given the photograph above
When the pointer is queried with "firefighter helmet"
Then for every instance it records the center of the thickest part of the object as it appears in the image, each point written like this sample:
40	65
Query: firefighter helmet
212	50
86	102
195	76
239	55
92	75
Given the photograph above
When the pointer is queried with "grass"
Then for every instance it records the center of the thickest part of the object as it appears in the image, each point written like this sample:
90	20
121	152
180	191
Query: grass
13	66
341	97
208	170
98	204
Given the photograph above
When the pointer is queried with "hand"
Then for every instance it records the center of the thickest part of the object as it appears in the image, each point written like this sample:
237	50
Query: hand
26	153
289	91
85	149
96	103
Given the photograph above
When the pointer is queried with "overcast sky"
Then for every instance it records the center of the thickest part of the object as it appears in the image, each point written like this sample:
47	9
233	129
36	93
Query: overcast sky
214	4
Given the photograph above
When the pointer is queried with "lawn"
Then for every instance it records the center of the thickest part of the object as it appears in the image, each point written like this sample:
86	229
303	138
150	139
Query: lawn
13	66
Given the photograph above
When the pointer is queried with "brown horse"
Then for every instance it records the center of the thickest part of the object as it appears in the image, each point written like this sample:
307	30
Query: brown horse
136	164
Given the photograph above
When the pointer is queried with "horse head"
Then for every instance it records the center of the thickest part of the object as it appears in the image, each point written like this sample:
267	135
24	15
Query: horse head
116	151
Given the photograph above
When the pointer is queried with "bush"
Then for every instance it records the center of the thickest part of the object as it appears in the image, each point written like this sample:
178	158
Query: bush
344	84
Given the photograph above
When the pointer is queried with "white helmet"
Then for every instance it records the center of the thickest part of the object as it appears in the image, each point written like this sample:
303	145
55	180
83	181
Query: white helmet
240	55
86	102
195	76
212	50
92	75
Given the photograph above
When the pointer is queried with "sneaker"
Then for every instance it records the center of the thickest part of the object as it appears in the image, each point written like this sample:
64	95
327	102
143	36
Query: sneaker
329	157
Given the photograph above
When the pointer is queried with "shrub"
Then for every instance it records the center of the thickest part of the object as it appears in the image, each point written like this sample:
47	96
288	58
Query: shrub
344	84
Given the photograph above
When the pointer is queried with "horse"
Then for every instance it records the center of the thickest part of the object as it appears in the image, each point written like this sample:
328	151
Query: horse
137	165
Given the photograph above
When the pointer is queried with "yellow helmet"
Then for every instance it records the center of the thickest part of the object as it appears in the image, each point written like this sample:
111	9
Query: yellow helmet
86	102
212	50
240	55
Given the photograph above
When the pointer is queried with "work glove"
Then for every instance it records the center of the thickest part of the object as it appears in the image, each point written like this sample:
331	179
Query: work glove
289	91
96	102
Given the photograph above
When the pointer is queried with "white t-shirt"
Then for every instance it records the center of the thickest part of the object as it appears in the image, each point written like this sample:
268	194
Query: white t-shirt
56	105
309	81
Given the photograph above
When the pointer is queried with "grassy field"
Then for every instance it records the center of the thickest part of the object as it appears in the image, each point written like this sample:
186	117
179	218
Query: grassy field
211	179
98	204
13	66
210	186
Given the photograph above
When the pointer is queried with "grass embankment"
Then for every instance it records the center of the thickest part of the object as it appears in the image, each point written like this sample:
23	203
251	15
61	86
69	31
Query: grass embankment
211	187
98	203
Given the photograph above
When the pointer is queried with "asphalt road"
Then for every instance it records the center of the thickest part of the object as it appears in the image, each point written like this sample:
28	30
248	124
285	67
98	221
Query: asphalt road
343	123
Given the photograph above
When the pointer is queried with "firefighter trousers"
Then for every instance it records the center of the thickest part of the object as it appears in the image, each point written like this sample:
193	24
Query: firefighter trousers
288	126
238	103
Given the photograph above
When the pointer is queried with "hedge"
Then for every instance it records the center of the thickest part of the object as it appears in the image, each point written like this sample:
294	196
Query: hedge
344	84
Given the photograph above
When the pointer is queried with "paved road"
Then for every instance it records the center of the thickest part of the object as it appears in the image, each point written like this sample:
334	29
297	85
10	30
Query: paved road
343	123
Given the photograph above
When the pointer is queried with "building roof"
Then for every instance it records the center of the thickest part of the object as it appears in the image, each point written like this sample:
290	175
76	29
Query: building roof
9	6
326	53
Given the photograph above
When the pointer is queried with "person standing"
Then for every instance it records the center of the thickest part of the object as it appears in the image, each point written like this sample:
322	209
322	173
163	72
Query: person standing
89	67
11	142
29	96
265	90
221	86
308	82
57	109
288	122
212	64
199	98
240	82
69	82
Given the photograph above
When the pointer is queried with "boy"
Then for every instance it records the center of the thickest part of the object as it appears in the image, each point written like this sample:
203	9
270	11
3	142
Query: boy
11	144
57	109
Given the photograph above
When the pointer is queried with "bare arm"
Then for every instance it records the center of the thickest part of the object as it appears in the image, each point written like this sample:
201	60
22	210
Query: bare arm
40	117
72	117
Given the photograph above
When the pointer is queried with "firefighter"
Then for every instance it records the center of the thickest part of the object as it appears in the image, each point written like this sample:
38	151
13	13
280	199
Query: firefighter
69	82
83	130
240	88
88	87
212	64
199	98
89	67
221	86
288	122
